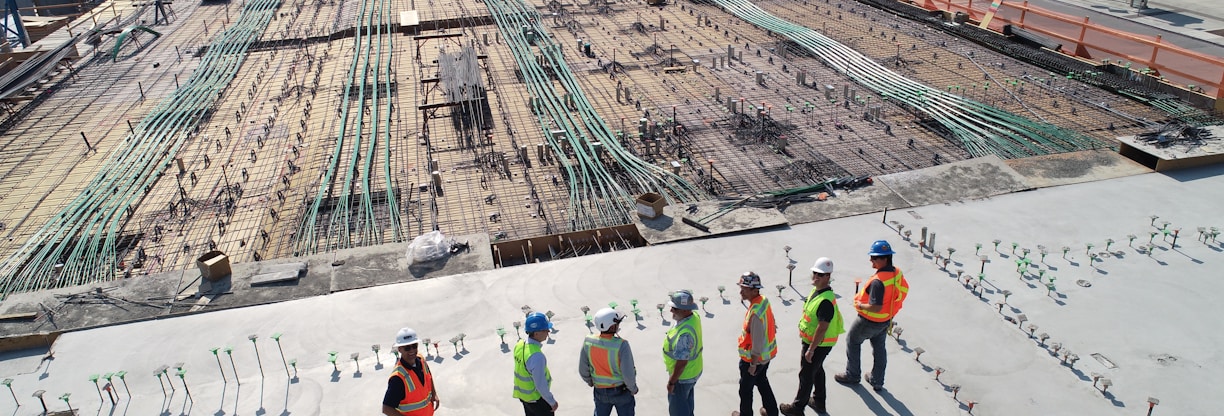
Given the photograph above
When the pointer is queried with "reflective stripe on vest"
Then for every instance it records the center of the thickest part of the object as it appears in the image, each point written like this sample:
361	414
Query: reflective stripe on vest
760	308
603	352
808	324
524	385
691	326
416	392
896	288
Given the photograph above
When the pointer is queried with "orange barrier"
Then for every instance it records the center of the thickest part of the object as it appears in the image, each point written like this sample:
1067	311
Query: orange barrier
1082	38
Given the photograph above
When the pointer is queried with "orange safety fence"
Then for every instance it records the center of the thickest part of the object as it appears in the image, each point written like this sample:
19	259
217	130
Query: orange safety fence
1082	38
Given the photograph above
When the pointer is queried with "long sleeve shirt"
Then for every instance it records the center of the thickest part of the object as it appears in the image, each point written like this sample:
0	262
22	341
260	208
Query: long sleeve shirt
756	329
627	369
537	365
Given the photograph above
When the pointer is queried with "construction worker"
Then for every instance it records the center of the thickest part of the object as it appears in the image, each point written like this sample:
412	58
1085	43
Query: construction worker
682	354
410	390
818	328
877	303
606	363
757	345
532	381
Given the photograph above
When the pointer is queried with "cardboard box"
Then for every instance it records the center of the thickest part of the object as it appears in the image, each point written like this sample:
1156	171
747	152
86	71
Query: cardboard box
650	205
214	265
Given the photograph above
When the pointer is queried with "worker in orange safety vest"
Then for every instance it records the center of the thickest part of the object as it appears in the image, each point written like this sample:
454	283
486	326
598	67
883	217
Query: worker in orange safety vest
606	363
757	345
410	390
877	303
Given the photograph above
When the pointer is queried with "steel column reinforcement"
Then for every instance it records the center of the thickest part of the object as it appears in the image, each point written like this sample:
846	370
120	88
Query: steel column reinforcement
980	128
80	244
601	186
353	220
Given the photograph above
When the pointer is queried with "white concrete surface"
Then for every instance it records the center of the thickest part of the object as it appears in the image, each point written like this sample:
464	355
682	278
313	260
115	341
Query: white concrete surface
1151	316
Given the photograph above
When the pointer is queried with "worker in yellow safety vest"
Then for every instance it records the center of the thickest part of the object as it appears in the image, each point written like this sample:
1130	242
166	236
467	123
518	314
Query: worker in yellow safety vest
606	363
410	390
818	329
757	345
532	380
682	350
877	303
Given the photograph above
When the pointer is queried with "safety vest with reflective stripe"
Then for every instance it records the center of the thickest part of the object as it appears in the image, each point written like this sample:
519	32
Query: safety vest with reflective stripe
417	392
807	325
895	291
524	385
603	352
760	308
691	326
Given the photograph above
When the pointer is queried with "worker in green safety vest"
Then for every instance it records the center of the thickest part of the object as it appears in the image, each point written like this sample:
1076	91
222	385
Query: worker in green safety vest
532	380
819	329
682	354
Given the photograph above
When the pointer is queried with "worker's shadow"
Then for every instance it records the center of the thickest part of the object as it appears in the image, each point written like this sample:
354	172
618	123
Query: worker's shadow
896	405
876	407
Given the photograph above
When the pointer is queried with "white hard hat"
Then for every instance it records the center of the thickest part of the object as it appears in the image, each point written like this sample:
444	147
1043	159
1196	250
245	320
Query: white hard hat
406	336
606	317
823	265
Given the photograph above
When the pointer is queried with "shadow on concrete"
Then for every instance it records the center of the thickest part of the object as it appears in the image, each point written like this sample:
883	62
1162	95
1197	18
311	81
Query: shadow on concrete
1193	174
895	404
1113	400
420	270
871	402
661	223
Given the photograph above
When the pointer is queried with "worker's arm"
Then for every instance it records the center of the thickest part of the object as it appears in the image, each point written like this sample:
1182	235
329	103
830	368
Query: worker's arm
584	365
758	333
675	375
394	395
628	369
537	365
821	328
875	294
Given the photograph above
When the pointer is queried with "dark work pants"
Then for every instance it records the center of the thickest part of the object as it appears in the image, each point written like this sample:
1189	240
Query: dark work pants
761	382
537	408
811	376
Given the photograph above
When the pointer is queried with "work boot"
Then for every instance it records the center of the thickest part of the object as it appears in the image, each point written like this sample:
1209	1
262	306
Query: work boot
845	379
874	386
817	405
788	409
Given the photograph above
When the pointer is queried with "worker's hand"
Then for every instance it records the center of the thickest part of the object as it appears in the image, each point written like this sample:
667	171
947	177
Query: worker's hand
554	406
671	387
752	369
436	403
807	355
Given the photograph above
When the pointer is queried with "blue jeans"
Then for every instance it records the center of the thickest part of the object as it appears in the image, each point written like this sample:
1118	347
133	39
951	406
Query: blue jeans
680	400
863	330
616	397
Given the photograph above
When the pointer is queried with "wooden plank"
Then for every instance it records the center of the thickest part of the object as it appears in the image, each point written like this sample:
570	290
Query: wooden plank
269	278
24	316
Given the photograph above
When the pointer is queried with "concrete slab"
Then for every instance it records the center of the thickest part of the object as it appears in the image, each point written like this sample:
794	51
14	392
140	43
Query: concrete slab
1137	312
670	227
385	264
1075	167
958	181
863	200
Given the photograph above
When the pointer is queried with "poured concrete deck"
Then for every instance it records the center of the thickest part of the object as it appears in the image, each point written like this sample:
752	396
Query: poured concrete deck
1138	313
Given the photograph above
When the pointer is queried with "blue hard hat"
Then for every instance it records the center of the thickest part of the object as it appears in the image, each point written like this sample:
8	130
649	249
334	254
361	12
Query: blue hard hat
536	322
881	248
